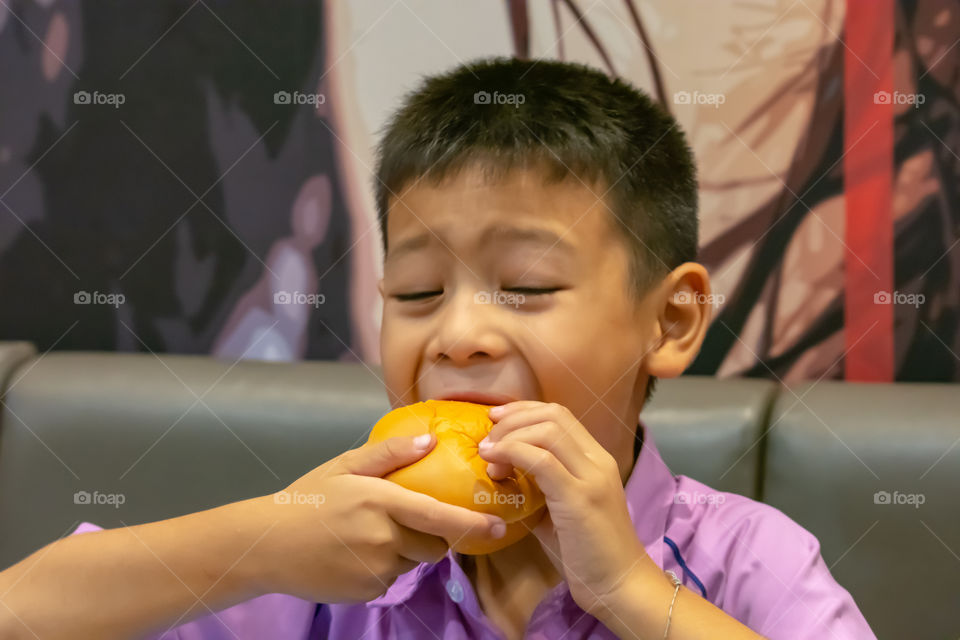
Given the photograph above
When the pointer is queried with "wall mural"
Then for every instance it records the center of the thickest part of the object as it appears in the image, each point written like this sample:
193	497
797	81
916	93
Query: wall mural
195	177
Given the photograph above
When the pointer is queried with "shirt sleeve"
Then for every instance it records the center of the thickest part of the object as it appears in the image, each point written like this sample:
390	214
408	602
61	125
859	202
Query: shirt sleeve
777	582
274	615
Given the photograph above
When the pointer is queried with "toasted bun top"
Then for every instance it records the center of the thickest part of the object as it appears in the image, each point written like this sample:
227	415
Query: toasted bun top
453	471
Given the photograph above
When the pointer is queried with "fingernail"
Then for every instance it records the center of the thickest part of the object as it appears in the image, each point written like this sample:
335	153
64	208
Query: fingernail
485	444
498	530
496	412
421	441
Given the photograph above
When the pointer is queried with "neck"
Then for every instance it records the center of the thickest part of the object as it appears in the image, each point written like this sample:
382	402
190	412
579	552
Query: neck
511	582
526	556
520	574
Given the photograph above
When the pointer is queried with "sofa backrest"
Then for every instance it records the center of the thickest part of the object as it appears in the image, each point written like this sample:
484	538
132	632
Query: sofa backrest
873	470
175	434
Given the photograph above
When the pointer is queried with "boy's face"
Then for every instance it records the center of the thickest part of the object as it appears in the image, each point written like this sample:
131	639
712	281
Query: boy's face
516	289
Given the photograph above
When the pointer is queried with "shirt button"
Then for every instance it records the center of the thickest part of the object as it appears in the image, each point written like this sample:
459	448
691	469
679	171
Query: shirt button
455	590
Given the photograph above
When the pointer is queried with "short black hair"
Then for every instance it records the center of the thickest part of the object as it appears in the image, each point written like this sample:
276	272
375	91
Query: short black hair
569	119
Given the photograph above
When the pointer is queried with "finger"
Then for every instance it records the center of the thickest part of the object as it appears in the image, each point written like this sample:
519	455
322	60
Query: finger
499	470
551	437
502	410
429	515
534	412
420	547
507	418
501	427
551	476
570	427
380	458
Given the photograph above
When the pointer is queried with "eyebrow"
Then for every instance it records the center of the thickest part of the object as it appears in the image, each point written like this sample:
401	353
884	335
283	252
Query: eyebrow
501	233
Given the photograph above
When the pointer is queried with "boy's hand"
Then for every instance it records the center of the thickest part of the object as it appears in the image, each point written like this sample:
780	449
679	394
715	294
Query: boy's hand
587	532
341	533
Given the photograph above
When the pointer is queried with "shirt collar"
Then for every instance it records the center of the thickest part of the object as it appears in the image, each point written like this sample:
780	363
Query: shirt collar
649	492
408	583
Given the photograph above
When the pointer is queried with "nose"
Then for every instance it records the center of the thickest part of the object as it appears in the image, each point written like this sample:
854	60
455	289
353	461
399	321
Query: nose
469	328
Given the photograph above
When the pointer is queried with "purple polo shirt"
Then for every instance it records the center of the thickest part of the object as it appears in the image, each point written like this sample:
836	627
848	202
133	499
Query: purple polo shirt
746	557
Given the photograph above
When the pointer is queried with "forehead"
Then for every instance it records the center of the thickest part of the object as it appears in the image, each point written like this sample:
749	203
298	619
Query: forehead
473	210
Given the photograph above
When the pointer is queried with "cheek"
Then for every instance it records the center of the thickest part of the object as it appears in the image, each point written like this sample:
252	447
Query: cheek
400	351
571	351
588	365
564	366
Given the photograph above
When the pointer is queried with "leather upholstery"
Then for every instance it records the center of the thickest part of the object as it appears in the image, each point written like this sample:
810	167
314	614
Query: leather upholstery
831	448
175	434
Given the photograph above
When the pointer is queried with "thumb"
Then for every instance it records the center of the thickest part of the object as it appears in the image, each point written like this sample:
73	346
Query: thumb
380	458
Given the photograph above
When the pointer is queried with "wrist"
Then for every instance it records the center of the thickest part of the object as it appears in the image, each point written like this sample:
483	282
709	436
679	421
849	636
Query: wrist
638	608
251	565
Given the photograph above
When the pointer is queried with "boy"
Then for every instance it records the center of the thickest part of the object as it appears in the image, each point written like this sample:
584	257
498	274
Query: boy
539	227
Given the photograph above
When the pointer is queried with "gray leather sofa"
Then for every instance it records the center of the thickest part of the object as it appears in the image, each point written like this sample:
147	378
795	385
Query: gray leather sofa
175	434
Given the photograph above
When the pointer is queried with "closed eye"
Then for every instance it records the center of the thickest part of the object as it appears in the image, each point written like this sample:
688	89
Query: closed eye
532	291
419	295
527	291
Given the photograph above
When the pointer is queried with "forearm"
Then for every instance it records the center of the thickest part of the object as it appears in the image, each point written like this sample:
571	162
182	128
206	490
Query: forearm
121	582
639	611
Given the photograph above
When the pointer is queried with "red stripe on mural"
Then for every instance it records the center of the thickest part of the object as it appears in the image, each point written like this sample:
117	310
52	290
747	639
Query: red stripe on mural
868	175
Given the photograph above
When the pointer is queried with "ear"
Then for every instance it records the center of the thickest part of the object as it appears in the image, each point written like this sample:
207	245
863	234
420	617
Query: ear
684	307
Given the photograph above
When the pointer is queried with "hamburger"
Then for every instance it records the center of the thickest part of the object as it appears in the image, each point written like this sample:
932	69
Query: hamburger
453	471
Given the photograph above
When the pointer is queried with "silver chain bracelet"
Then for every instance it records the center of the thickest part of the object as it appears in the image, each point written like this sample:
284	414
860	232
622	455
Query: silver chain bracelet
676	583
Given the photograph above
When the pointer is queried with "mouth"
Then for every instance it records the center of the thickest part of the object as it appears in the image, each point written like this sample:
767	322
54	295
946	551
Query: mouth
478	397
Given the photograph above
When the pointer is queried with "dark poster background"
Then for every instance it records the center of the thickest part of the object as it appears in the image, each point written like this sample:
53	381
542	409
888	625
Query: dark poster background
194	177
